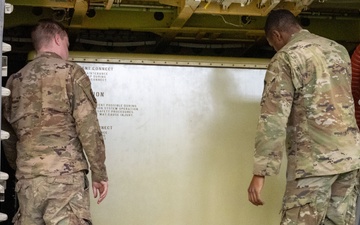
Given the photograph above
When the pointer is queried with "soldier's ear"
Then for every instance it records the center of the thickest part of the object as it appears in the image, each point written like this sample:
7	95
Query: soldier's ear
57	39
276	35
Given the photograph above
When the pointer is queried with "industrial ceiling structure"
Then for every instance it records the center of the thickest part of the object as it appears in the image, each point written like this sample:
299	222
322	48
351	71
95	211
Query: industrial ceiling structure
181	27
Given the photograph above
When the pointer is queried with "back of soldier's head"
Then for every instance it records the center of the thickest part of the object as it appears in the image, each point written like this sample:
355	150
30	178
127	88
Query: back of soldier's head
281	20
44	31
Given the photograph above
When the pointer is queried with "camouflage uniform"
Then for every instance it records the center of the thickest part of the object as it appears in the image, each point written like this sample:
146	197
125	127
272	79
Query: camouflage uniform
53	112
307	108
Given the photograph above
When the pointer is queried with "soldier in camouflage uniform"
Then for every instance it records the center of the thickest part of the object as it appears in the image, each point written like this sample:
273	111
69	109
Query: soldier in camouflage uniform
53	113
307	108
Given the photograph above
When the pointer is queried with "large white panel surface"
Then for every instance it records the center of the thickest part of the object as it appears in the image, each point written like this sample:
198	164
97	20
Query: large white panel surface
179	145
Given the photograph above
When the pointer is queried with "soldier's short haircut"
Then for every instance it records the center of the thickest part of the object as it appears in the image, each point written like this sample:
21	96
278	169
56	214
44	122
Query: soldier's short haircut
280	20
44	30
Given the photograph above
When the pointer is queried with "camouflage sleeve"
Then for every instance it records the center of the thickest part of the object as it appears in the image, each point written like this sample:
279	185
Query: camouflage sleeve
8	145
87	126
276	105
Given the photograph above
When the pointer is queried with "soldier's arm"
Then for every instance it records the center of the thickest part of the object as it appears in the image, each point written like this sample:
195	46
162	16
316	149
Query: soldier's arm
276	106
9	145
88	128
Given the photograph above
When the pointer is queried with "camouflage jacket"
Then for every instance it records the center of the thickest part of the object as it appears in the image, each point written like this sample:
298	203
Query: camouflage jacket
53	112
307	109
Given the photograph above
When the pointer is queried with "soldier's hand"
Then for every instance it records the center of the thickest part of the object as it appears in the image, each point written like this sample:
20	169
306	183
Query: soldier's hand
254	190
101	189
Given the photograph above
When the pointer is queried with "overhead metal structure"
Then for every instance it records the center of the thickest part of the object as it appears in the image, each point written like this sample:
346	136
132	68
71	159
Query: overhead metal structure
158	25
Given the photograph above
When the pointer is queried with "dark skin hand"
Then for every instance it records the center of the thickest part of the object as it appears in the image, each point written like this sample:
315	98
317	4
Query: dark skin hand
254	190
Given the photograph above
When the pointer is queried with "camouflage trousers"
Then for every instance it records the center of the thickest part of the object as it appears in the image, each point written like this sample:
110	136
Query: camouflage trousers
61	200
326	200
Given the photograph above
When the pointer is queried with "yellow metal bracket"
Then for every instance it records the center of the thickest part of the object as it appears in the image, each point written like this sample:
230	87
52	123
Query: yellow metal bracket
80	10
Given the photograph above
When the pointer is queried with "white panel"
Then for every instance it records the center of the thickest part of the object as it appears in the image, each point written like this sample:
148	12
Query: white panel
180	145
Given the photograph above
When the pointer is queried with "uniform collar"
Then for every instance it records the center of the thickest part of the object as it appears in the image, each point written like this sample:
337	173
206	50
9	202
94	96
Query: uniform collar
47	54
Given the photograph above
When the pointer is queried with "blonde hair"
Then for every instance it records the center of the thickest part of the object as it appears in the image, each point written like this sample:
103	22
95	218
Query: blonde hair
44	31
